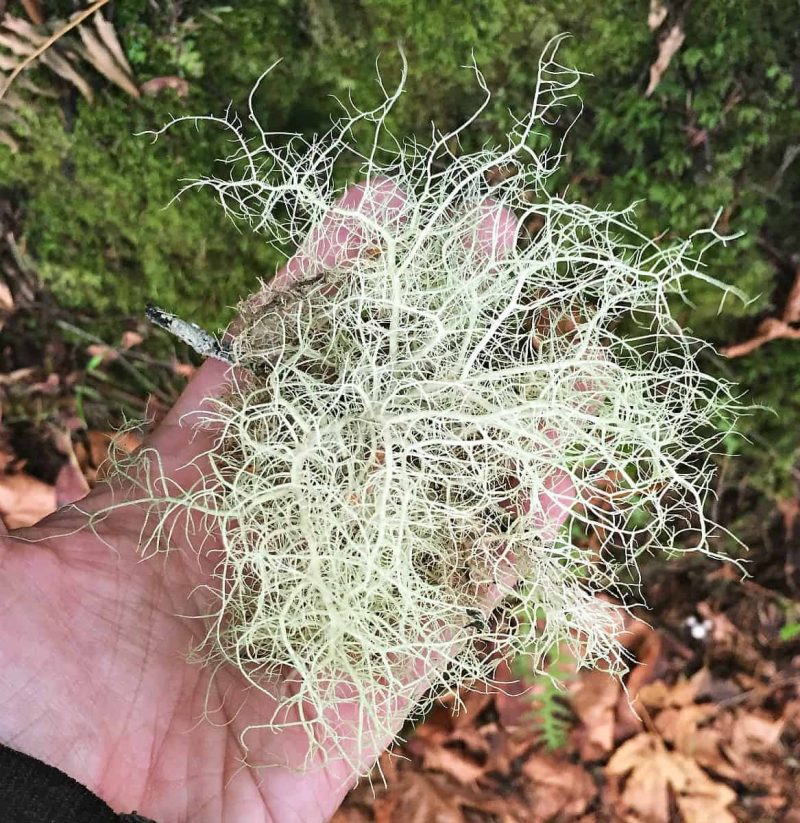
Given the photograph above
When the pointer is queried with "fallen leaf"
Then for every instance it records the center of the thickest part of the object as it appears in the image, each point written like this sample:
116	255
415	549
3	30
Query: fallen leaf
33	8
513	700
675	724
644	643
109	37
452	762
106	62
653	773
351	814
791	311
657	14
183	369
6	298
71	484
771	328
753	733
18	375
560	789
131	339
157	84
594	700
61	66
24	500
667	48
100	350
384	808
9	141
659	695
423	799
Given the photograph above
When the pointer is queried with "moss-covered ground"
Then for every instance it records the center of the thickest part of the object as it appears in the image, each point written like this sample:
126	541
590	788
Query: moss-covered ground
718	135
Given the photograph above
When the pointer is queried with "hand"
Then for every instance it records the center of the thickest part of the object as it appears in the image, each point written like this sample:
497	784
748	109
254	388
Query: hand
93	672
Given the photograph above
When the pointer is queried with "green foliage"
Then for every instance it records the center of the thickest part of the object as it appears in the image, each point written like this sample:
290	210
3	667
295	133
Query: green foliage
712	138
790	631
98	225
550	712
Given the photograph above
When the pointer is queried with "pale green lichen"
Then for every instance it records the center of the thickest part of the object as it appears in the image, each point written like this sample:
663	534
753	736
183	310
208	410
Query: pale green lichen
416	429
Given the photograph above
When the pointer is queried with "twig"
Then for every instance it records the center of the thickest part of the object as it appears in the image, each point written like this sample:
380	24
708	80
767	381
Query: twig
49	42
201	341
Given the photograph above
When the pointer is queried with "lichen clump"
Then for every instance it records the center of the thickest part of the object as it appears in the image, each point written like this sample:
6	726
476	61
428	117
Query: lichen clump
459	373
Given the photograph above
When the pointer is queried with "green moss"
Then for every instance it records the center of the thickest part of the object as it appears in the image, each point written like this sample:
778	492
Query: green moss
98	225
712	138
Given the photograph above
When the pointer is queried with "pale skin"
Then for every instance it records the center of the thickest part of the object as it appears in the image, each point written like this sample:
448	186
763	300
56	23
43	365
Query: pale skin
94	677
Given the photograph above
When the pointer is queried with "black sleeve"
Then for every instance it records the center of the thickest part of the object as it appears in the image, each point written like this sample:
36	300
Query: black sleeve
33	792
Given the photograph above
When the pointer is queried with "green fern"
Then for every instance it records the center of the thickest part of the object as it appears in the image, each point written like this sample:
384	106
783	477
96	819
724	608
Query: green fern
551	716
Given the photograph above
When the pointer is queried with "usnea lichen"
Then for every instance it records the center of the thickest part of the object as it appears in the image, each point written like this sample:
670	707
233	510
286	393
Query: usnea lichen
459	372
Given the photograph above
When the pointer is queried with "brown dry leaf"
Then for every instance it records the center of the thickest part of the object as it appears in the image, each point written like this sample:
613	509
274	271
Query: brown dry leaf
53	60
106	62
645	645
109	37
769	329
654	772
657	14
659	695
351	814
9	141
682	728
667	48
101	350
18	375
473	740
71	483
753	733
33	8
384	808
185	370
157	84
560	789
24	500
98	45
424	799
21	39
18	36
460	767
131	339
675	725
513	701
6	298
594	700
791	311
92	451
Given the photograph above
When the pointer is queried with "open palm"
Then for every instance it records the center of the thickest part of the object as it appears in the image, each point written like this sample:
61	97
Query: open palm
93	641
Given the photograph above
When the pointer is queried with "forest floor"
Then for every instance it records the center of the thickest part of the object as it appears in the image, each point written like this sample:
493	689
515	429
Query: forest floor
705	728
